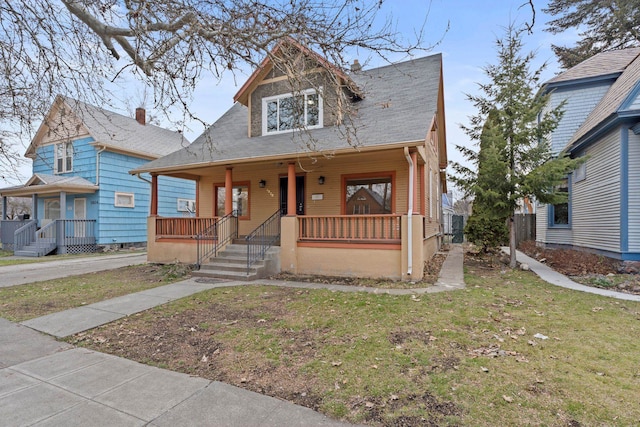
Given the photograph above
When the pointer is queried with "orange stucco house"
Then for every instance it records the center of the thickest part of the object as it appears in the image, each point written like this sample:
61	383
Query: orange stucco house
291	155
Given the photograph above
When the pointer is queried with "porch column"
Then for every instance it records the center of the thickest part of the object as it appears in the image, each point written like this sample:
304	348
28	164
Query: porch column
34	206
4	208
291	189
228	191
63	205
153	211
414	159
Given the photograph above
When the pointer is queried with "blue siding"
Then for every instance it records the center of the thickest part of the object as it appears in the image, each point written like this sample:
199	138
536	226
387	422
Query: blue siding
169	191
115	225
84	160
119	225
580	101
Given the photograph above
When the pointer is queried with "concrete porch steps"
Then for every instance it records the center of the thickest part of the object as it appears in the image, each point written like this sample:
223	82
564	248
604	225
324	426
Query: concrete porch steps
231	263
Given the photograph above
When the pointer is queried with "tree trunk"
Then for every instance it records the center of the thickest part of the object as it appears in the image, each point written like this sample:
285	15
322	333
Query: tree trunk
512	242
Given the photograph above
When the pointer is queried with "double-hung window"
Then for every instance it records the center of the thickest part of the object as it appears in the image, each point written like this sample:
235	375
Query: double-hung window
64	157
284	113
560	213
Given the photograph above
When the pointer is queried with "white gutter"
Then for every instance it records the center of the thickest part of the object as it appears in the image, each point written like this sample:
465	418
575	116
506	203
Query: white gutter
98	164
409	214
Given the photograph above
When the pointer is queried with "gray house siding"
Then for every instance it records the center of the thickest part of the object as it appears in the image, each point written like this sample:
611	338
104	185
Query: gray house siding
579	103
596	199
634	192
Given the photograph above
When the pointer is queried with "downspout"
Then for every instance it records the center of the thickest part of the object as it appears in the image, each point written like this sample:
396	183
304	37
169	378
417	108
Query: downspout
144	179
98	164
409	214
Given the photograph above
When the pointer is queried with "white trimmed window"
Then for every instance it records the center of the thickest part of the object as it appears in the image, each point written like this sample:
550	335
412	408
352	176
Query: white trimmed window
64	157
124	200
285	113
186	205
52	209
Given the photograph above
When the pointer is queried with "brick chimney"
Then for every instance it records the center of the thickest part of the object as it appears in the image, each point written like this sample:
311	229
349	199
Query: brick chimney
355	67
141	115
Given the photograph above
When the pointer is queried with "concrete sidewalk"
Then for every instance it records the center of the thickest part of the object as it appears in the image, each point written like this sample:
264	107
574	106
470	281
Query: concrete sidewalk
555	278
48	383
20	274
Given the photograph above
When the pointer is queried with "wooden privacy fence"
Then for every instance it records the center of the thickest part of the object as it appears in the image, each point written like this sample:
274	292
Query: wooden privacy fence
525	227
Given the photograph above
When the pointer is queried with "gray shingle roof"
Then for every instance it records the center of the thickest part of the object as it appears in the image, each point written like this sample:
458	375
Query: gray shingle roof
615	96
122	133
602	64
399	103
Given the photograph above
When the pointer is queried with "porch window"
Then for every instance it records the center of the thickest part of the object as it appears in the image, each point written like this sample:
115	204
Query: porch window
368	195
52	209
240	197
125	200
560	213
64	157
288	112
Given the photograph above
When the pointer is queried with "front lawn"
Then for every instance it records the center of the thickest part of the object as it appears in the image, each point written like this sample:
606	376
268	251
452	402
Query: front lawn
22	302
510	350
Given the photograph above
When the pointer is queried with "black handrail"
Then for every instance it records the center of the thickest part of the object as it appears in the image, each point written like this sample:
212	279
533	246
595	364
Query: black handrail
262	238
210	241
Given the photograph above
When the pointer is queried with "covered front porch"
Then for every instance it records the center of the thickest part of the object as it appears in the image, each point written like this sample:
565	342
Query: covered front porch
47	229
377	222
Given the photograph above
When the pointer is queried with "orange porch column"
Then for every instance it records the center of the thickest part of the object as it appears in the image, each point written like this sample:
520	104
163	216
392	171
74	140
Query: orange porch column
228	191
154	195
291	189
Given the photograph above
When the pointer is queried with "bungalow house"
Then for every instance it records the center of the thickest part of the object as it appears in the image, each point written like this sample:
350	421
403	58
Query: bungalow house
601	121
82	193
343	172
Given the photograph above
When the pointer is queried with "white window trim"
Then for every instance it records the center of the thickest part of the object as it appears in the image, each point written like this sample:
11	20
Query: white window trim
123	205
290	95
65	148
186	205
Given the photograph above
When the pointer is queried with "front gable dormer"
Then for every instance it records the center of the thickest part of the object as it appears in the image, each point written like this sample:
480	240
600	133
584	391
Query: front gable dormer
294	88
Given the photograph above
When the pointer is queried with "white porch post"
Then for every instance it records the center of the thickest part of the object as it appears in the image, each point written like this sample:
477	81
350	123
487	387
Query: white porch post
63	205
34	206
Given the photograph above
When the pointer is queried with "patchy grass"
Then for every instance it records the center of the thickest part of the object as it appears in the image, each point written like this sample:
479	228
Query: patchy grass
509	349
19	261
22	302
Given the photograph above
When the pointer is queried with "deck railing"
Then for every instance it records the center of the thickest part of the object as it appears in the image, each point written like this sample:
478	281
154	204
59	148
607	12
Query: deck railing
351	228
24	235
183	228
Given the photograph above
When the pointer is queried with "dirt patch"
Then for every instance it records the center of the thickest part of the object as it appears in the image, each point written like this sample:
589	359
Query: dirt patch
431	272
585	268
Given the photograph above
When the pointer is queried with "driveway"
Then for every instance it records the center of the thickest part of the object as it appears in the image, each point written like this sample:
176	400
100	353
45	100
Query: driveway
11	275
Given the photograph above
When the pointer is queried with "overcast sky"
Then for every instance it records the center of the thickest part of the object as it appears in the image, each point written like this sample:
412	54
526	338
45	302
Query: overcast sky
467	47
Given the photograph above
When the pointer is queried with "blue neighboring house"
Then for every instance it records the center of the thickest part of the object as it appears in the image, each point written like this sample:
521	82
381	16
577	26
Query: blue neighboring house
83	196
602	121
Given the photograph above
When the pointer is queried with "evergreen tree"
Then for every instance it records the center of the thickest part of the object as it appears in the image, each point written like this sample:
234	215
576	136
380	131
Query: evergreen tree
512	127
605	25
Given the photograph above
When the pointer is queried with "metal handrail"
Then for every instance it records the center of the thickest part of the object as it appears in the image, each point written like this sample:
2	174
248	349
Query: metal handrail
262	238
222	231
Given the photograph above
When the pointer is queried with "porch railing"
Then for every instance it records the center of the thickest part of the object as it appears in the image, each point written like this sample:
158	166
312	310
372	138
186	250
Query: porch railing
262	238
24	235
7	231
75	232
184	228
219	233
351	228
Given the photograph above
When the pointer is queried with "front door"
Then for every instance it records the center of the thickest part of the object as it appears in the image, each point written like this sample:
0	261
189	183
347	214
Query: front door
79	212
284	191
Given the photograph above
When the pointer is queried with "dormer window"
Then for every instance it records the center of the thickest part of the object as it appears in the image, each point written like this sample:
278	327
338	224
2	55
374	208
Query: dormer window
285	113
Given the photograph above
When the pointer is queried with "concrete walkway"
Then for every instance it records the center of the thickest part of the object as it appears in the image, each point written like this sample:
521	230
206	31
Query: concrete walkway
555	278
20	274
44	382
